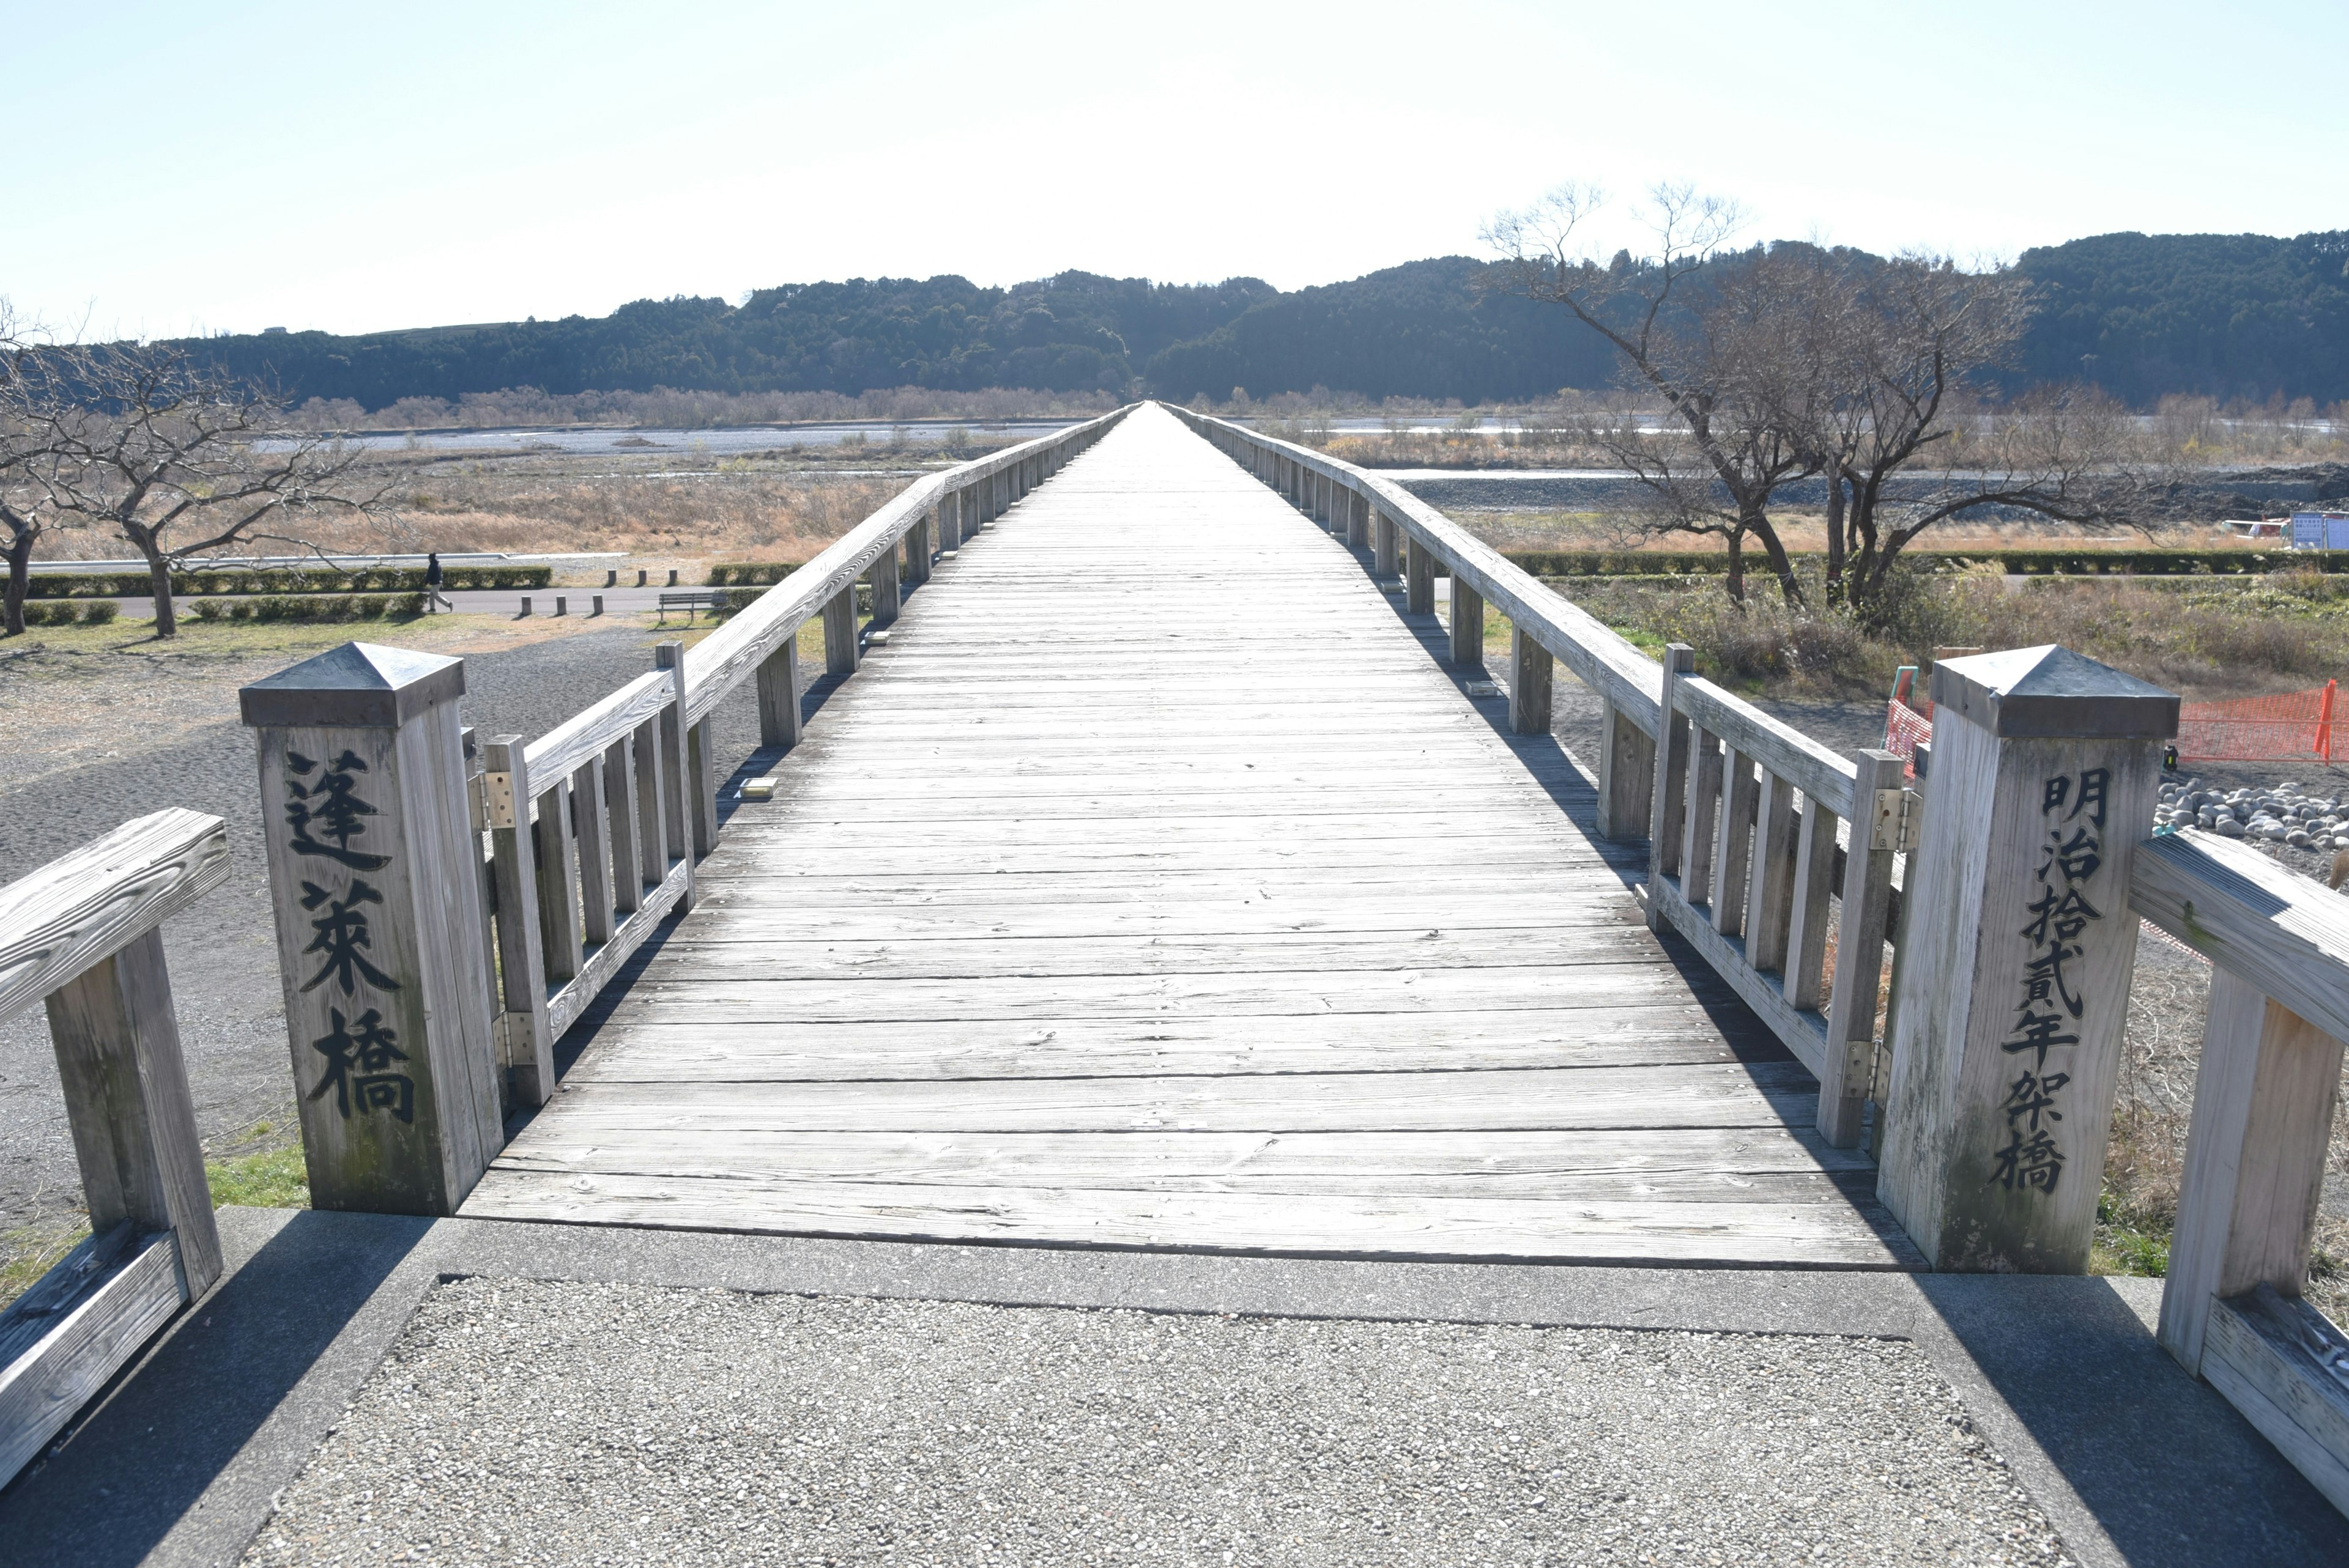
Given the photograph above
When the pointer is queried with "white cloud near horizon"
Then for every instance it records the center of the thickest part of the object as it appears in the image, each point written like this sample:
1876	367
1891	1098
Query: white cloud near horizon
177	171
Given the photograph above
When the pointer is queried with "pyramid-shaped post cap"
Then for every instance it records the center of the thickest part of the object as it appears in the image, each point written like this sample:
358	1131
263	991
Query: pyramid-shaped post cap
2053	693
361	686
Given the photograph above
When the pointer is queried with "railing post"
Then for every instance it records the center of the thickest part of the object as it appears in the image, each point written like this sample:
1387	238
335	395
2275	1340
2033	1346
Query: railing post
917	549
1419	578
525	1048
1529	682
373	876
127	1102
779	695
2018	945
1670	774
1849	1079
1388	559
950	522
1467	626
885	596
1358	520
1626	769
840	632
693	799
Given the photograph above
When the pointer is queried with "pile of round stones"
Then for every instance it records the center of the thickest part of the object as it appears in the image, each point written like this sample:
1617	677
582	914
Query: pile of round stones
2282	815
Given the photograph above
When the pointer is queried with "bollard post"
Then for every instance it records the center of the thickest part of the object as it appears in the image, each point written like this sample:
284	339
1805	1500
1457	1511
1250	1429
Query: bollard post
525	608
672	576
562	604
611	577
2016	951
375	880
597	601
640	576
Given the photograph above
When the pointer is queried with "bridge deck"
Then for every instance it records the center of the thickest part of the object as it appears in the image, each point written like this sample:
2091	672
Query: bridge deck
1154	888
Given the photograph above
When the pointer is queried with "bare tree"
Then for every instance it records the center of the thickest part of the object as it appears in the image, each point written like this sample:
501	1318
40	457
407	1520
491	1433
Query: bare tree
179	459
1719	337
28	457
1905	440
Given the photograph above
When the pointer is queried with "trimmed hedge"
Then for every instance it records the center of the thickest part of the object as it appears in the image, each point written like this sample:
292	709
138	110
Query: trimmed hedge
285	579
748	573
311	608
2024	563
96	612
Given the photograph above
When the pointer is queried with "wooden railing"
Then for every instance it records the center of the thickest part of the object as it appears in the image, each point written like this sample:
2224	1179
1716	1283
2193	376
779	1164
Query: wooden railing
84	934
1744	819
2255	1159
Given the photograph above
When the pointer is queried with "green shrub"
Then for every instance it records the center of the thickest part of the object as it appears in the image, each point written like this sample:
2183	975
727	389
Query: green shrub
744	573
286	580
100	613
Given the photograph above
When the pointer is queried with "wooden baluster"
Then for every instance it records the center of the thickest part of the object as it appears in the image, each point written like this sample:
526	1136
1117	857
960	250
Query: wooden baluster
1732	863
1529	683
1358	521
694	787
1467	626
1389	559
1627	775
2255	1160
779	695
553	843
524	1048
886	597
1772	895
1701	819
621	830
840	651
127	1102
1670	803
592	821
1844	1086
685	786
1807	918
1419	578
652	807
950	522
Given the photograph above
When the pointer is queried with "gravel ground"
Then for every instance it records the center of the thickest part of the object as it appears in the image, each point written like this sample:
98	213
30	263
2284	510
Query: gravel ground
111	738
552	1422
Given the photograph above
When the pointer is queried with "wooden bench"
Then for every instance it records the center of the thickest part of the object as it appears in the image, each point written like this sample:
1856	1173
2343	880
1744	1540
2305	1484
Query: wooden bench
693	600
84	934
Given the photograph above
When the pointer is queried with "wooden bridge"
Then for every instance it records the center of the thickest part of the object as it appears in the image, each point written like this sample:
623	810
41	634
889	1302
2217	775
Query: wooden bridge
1152	887
1162	872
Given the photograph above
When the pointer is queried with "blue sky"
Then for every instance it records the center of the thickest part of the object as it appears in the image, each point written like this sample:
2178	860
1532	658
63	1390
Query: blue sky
177	169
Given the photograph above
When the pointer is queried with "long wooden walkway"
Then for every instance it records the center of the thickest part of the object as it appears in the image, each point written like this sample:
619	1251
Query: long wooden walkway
1153	887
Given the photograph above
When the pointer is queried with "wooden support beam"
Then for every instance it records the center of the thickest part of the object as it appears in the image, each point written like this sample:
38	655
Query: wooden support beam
1419	579
1529	685
1627	770
779	696
1388	561
840	633
1467	626
886	594
127	1102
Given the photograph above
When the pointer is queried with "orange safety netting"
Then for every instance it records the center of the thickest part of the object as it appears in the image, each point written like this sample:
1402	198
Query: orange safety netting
2292	726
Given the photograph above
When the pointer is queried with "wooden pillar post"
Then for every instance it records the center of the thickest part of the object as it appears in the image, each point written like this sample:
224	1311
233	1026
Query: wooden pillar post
1358	520
1529	680
1389	558
1668	802
525	1046
917	549
1467	626
694	809
1419	578
2017	949
779	695
840	632
1627	765
949	516
375	878
886	597
127	1102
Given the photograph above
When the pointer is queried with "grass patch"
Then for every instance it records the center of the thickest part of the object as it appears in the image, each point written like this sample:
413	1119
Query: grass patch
2128	1242
28	1252
272	1179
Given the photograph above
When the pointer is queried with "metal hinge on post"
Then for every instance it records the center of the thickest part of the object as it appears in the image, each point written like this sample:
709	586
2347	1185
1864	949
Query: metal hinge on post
1900	817
498	799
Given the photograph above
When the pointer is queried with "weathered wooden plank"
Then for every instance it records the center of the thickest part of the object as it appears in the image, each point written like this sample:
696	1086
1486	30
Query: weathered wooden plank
2286	1366
1398	1226
64	917
64	1338
562	750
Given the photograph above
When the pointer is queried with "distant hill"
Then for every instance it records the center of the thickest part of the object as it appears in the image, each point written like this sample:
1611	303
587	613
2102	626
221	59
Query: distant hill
2143	315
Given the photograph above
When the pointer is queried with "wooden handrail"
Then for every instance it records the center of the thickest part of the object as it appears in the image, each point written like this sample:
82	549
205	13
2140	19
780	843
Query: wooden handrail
84	907
593	729
725	658
2252	917
1817	772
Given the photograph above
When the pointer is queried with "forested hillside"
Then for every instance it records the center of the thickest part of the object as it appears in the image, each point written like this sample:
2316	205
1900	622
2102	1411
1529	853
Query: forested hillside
2229	316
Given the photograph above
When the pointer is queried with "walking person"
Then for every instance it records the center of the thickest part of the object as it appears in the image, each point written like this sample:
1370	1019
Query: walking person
433	598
